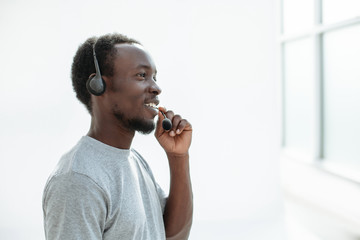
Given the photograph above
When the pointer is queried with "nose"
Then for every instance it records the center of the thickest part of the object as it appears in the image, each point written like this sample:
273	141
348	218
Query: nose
154	88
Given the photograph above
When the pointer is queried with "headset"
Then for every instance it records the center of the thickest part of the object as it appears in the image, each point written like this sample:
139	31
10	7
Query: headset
96	85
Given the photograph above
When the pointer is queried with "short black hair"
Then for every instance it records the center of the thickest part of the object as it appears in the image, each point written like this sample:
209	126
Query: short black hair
83	63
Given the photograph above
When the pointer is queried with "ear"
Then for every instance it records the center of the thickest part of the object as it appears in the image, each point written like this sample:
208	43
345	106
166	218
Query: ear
108	82
92	75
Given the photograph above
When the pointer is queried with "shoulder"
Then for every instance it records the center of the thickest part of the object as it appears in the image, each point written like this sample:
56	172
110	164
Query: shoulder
72	186
84	159
70	160
76	172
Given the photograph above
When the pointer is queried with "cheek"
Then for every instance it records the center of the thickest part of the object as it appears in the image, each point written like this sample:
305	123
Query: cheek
129	96
134	90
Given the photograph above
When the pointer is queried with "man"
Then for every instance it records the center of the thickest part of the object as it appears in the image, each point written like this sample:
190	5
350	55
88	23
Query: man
102	188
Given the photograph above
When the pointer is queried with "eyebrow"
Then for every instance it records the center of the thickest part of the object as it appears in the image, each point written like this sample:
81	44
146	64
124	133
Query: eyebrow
145	66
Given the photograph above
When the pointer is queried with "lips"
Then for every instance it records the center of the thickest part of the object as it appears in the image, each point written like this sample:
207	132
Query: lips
152	103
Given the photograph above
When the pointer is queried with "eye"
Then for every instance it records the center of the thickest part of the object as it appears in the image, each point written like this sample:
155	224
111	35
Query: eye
142	75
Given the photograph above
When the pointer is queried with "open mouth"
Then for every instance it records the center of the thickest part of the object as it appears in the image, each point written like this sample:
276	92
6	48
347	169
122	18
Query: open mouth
152	105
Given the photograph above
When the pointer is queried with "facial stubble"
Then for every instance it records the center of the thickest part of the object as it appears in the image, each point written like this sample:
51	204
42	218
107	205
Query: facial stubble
135	124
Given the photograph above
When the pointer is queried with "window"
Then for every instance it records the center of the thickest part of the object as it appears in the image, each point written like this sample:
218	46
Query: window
299	96
342	99
320	80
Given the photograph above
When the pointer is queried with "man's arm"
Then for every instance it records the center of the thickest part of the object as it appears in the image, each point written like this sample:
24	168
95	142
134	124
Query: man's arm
179	206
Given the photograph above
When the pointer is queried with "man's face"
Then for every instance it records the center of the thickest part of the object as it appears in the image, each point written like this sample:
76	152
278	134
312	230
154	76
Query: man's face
132	88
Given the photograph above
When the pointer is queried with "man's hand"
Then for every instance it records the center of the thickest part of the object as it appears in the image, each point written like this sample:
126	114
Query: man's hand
177	140
179	205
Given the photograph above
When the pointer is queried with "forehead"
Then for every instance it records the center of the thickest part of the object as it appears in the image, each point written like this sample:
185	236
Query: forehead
131	56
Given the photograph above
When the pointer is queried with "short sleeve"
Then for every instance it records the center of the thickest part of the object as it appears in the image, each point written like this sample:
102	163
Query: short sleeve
74	208
162	197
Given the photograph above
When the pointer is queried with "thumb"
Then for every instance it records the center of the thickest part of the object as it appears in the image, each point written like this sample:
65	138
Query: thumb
159	130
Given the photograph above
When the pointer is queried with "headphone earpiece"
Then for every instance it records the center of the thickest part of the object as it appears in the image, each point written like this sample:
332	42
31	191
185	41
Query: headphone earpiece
96	85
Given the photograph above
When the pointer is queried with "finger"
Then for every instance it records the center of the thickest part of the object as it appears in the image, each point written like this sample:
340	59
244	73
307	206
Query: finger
163	109
175	122
170	115
183	125
160	114
159	129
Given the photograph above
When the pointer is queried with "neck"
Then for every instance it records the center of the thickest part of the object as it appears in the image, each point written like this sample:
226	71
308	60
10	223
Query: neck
111	133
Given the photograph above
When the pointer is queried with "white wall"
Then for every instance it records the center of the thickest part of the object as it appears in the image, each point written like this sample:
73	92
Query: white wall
216	64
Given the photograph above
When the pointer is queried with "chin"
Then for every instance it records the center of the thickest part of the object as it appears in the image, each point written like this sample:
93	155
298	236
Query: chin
142	126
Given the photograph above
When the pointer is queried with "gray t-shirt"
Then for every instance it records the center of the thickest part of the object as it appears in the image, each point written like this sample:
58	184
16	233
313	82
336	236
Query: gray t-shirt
101	192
